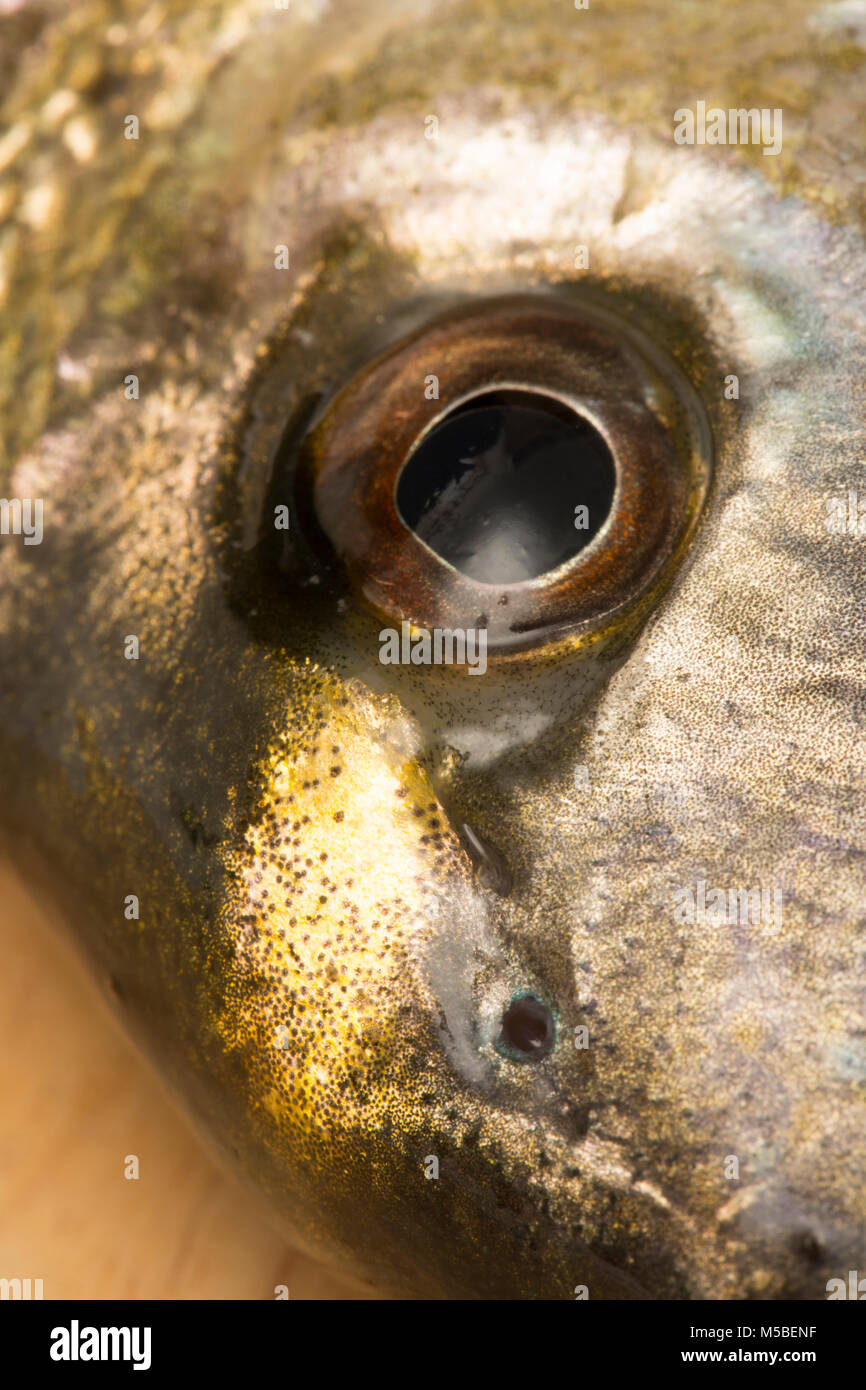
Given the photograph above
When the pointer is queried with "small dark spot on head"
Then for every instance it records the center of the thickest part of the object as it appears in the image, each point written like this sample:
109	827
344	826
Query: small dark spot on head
472	1135
575	1121
528	1030
338	815
808	1247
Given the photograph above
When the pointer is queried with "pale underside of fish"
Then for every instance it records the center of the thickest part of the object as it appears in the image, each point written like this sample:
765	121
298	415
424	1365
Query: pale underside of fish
313	883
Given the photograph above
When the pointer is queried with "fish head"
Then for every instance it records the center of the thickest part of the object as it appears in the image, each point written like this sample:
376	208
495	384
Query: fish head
539	980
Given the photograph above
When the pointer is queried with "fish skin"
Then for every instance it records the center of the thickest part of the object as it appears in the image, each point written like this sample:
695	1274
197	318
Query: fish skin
717	726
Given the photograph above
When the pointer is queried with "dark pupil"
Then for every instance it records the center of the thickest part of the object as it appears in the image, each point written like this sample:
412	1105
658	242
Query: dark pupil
493	487
527	1027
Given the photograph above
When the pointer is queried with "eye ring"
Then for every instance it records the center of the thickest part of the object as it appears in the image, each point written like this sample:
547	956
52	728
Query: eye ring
576	353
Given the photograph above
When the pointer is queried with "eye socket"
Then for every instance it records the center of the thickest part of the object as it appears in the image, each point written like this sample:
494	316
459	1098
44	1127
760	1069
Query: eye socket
528	1030
528	464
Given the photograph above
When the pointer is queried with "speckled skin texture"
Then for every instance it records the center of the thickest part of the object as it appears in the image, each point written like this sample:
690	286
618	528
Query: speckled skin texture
317	968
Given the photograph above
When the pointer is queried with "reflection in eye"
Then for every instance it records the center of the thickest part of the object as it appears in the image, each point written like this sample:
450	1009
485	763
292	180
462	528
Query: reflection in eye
528	1031
551	482
491	487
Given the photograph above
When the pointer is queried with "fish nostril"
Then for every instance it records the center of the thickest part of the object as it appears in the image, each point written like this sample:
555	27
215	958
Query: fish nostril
528	1030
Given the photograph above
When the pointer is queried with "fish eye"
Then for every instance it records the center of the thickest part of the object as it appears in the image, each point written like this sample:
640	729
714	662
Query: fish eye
528	1030
490	486
531	464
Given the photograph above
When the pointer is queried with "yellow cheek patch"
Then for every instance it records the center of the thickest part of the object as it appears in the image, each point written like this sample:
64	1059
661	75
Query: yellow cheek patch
346	843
